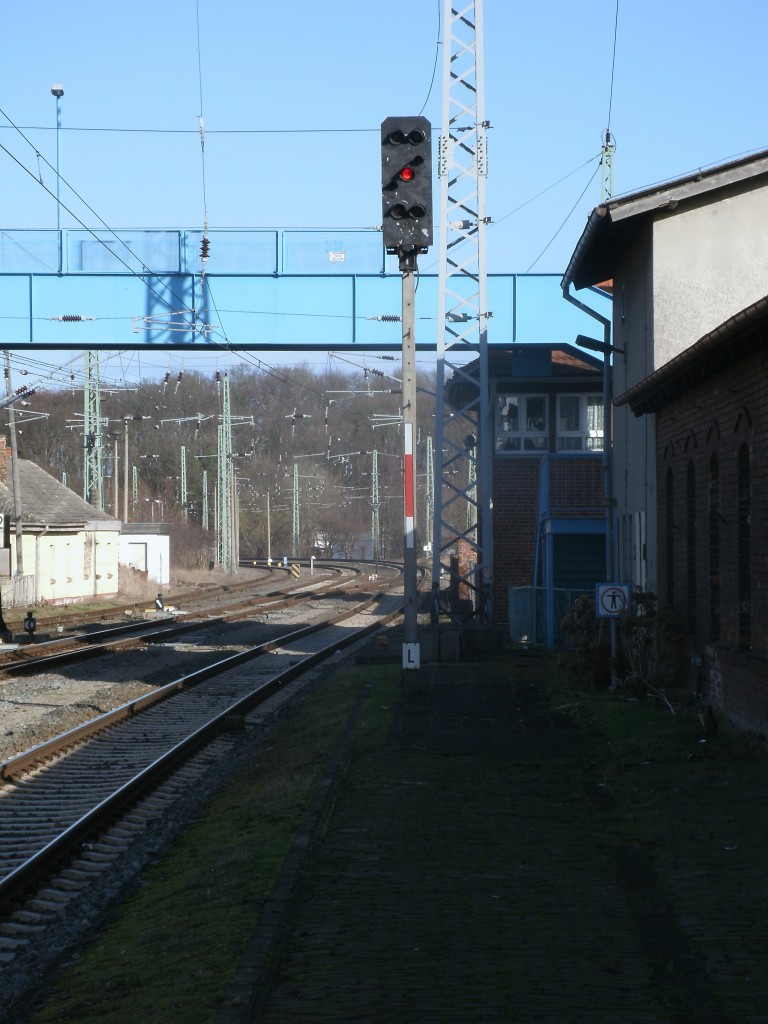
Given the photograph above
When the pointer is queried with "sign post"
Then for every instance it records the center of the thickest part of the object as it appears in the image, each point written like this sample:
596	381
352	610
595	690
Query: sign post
406	208
611	600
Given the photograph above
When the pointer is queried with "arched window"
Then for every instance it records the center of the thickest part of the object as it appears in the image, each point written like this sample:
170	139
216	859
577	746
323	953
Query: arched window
690	545
744	484
669	540
714	549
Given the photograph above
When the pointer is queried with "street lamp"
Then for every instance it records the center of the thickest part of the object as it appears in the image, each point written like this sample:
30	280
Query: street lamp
57	90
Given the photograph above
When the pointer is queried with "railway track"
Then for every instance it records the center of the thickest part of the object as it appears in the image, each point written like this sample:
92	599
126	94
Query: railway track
243	601
71	806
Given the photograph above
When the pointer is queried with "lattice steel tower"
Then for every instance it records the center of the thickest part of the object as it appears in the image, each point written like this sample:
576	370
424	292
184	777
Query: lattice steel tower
93	481
463	434
225	490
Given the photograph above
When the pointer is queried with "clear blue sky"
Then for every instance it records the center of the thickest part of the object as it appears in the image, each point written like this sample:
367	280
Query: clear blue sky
293	95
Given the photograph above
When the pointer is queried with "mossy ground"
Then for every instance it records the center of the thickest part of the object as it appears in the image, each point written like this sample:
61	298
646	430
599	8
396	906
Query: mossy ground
172	945
578	818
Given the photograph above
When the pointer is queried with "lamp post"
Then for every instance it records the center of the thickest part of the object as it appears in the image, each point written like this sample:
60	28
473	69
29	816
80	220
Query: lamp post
57	90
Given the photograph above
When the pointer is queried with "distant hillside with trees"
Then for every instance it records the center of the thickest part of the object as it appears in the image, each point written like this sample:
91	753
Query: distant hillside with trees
325	424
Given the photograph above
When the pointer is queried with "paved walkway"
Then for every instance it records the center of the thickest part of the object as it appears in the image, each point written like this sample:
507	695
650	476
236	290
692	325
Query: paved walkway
477	868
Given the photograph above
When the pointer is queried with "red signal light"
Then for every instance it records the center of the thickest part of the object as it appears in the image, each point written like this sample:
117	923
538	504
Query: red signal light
407	174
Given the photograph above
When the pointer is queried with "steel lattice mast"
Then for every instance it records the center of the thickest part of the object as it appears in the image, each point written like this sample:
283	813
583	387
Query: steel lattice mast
296	513
375	507
429	503
93	482
464	434
184	482
224	493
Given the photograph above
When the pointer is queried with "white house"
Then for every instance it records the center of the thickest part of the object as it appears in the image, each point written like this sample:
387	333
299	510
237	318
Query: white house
69	550
146	547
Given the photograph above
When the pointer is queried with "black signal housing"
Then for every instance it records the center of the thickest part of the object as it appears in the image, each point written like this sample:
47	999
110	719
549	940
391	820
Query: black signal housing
406	184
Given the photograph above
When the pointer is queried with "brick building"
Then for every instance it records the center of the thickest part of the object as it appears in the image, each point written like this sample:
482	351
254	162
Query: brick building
547	487
711	409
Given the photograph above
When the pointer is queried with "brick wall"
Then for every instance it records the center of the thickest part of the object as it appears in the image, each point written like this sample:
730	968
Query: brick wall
515	507
575	491
715	419
576	487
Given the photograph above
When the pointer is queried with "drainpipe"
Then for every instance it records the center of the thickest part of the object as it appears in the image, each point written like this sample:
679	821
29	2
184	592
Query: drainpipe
595	219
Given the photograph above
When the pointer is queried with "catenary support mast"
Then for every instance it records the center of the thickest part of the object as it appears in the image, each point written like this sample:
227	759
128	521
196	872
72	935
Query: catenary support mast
463	512
224	493
93	480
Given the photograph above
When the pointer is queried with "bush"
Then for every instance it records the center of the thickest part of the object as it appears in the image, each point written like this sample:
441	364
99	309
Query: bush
589	657
649	655
651	647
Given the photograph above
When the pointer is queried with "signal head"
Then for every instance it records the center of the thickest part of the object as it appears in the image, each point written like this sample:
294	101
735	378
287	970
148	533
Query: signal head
406	183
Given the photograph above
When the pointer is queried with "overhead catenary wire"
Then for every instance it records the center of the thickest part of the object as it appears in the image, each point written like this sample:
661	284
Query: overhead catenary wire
613	69
145	270
194	131
565	221
438	44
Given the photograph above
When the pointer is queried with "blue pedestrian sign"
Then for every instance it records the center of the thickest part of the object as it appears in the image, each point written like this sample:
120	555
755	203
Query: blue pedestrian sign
611	599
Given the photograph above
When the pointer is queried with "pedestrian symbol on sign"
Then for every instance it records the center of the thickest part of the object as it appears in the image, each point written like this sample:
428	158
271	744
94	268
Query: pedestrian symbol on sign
612	599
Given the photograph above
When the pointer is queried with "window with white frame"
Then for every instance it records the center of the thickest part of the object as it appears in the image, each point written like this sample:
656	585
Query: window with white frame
521	423
580	423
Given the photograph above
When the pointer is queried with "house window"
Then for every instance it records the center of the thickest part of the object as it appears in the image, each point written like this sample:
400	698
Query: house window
580	423
521	423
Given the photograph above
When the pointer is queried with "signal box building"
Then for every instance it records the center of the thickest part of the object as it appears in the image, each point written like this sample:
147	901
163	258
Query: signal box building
549	529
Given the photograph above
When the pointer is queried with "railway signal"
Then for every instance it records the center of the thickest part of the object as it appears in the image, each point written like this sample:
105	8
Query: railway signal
406	183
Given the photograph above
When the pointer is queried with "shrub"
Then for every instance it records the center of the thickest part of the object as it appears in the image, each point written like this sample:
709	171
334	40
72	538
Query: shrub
589	656
650	647
649	655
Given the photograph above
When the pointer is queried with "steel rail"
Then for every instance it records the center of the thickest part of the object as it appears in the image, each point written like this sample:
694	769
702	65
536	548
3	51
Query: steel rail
93	644
16	882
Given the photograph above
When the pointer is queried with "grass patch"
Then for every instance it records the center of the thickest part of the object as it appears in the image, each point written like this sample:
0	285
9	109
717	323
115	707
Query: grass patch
631	730
177	940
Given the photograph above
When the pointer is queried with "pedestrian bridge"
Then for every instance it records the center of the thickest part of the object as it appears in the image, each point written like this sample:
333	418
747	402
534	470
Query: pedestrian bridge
261	290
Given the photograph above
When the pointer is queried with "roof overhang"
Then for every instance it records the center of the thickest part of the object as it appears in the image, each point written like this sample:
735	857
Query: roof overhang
614	226
741	335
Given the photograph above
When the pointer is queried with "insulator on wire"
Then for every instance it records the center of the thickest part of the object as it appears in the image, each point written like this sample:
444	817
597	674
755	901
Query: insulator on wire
205	248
